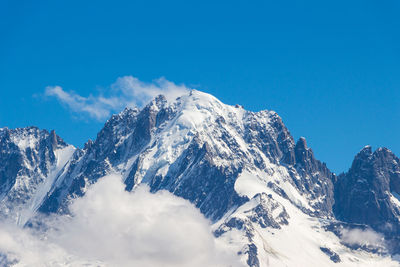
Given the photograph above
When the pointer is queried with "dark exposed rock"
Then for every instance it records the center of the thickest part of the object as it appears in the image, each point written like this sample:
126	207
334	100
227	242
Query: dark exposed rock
313	178
252	259
331	254
364	194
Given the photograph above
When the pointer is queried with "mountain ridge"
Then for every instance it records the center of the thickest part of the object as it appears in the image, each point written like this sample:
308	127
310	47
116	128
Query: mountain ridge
242	169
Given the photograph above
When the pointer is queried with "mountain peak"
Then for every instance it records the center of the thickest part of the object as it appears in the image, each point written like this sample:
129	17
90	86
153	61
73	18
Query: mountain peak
364	193
366	150
302	143
160	101
367	154
383	152
200	97
363	155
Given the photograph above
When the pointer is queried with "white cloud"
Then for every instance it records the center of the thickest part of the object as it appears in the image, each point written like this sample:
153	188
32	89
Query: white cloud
127	91
112	227
359	237
139	93
96	107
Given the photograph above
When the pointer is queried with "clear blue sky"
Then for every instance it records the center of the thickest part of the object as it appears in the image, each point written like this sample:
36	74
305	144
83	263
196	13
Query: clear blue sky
331	69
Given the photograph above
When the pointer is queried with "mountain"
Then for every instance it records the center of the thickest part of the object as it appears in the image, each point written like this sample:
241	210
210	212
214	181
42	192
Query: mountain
266	195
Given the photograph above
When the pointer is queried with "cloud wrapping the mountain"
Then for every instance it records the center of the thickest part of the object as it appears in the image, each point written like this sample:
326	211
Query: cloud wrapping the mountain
127	91
112	227
360	237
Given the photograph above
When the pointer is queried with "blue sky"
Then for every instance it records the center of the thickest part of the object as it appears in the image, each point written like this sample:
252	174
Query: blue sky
331	69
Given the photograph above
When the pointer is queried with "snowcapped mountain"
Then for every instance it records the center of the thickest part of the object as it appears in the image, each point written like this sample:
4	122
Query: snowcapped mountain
266	195
196	148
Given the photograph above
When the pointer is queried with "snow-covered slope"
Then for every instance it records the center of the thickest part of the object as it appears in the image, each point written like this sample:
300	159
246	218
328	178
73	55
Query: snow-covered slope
266	195
271	231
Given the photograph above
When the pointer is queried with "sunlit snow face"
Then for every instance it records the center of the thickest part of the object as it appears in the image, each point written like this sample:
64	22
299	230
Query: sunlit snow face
110	226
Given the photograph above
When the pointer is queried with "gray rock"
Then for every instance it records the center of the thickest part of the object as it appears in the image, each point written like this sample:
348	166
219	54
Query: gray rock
331	254
363	194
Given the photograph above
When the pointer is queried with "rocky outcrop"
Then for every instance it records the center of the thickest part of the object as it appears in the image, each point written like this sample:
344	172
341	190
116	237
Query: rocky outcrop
316	179
27	156
369	192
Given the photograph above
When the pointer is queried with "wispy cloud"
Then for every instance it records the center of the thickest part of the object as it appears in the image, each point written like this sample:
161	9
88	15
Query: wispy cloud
112	227
362	237
127	91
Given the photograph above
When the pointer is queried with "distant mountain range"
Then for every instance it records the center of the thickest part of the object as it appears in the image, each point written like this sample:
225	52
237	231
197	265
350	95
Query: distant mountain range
265	194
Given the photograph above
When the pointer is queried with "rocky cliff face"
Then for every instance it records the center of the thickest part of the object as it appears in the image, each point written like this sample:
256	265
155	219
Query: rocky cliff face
242	169
369	192
317	180
29	157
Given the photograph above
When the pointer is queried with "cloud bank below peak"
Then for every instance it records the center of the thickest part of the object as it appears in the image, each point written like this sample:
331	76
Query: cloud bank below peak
127	91
113	227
